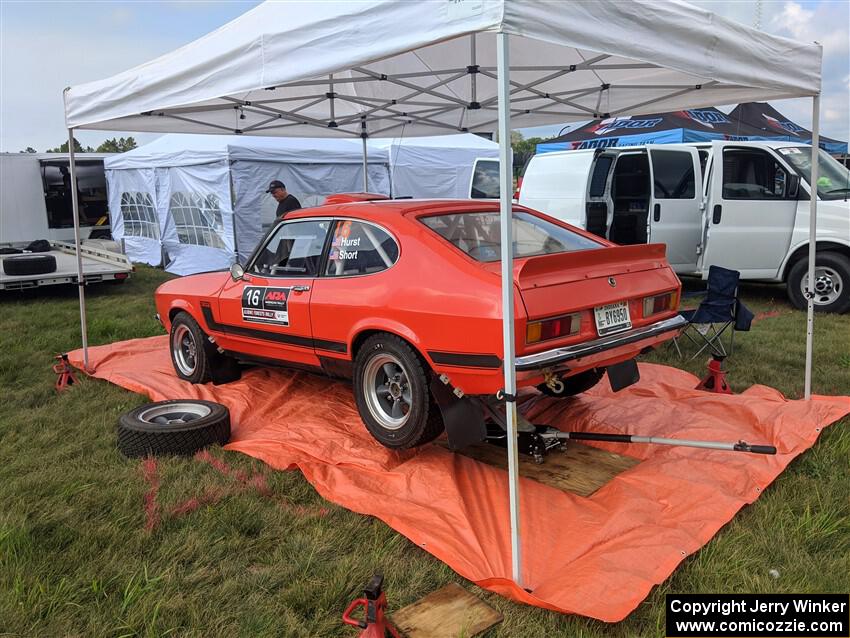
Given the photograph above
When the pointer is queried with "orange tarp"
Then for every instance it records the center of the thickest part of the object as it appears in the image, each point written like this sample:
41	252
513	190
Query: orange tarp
597	556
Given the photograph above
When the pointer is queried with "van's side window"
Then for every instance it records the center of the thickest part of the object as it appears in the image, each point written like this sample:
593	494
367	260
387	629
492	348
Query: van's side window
673	174
485	180
600	175
750	173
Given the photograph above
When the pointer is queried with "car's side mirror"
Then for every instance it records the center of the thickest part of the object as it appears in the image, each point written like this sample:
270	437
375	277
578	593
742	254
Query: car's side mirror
237	271
793	186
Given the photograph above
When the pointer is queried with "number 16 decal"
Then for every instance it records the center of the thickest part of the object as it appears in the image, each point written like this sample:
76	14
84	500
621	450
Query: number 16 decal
261	304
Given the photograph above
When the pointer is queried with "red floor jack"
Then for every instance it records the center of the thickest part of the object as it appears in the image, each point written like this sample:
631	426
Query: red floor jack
715	381
374	601
65	371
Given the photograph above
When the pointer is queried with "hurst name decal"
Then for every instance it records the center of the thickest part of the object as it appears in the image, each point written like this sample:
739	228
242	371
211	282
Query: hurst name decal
261	304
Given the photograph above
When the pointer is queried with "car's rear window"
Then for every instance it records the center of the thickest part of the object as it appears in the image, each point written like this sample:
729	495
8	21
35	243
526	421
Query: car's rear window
477	234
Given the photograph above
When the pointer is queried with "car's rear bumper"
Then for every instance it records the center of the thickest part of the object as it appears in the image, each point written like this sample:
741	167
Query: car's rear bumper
558	357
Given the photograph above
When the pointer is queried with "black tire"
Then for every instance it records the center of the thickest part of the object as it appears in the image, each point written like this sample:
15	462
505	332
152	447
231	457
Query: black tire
581	382
835	286
422	421
29	265
190	349
180	427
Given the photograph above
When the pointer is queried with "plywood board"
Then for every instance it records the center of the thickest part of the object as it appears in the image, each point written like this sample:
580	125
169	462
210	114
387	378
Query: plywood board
580	469
450	611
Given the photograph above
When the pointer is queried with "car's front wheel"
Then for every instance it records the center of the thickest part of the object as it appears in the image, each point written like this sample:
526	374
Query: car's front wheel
188	349
392	393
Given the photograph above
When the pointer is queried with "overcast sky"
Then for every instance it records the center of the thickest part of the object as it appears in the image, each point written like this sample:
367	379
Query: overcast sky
46	46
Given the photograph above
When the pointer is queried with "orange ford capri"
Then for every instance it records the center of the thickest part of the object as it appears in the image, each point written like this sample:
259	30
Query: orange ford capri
403	297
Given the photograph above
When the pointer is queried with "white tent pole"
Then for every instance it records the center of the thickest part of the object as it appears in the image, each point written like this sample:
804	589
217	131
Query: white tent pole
813	213
75	207
365	156
505	211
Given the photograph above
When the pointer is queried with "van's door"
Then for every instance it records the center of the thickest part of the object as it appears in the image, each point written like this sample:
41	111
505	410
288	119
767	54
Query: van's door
750	213
674	212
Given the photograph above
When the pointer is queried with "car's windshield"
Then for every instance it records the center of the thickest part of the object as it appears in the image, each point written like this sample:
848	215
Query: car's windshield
833	178
478	235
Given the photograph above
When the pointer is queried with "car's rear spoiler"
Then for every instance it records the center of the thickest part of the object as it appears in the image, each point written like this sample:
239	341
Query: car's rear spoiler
586	264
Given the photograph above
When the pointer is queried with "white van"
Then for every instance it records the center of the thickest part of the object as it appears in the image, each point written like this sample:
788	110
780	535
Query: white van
741	205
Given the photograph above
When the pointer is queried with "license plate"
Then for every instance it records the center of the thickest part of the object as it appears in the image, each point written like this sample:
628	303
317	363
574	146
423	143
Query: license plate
612	318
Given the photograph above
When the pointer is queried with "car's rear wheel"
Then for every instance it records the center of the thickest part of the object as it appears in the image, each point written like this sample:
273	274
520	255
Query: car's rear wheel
576	384
392	393
189	350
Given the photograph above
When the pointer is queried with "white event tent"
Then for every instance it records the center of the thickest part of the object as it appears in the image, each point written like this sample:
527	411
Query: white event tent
197	202
375	67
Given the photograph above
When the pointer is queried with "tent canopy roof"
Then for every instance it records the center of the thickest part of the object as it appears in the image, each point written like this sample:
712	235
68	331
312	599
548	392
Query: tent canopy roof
191	150
424	68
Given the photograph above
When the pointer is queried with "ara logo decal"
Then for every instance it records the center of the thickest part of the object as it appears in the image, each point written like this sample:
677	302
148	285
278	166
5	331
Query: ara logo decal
261	304
706	117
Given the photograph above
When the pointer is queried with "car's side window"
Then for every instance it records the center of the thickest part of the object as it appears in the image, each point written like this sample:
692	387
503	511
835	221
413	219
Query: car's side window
750	173
294	250
358	248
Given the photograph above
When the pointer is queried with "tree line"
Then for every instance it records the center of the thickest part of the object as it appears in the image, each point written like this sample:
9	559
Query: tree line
113	145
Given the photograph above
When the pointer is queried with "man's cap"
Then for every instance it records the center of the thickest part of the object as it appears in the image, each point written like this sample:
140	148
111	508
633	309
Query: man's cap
275	183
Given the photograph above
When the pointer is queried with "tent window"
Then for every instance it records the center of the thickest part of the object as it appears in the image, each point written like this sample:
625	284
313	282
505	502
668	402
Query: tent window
360	249
752	174
139	215
197	218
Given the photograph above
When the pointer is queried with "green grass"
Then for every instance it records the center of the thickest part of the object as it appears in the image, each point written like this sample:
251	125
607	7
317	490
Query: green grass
76	560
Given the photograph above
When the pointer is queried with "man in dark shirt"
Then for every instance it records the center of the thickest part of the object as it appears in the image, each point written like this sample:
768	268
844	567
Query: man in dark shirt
285	201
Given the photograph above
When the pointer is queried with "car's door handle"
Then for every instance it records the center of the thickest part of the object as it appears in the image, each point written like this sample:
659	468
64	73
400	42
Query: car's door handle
300	288
715	217
656	213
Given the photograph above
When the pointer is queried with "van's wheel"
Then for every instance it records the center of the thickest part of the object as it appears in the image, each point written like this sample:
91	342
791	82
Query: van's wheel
392	393
189	349
831	286
576	384
180	427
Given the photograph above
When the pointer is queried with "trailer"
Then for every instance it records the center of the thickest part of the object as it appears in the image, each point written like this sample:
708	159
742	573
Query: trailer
102	260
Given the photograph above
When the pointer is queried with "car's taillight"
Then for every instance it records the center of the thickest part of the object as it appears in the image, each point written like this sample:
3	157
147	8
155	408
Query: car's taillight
659	303
562	326
518	187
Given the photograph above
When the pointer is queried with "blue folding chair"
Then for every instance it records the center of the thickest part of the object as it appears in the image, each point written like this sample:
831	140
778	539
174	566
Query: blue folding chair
721	307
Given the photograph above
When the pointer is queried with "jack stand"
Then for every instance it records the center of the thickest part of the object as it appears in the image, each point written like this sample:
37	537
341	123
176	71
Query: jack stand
715	381
374	602
65	371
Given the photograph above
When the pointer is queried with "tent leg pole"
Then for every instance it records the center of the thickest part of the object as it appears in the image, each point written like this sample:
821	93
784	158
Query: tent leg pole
813	213
363	136
505	209
75	207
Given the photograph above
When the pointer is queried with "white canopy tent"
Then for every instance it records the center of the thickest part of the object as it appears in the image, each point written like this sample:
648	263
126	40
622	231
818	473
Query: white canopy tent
375	67
198	201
